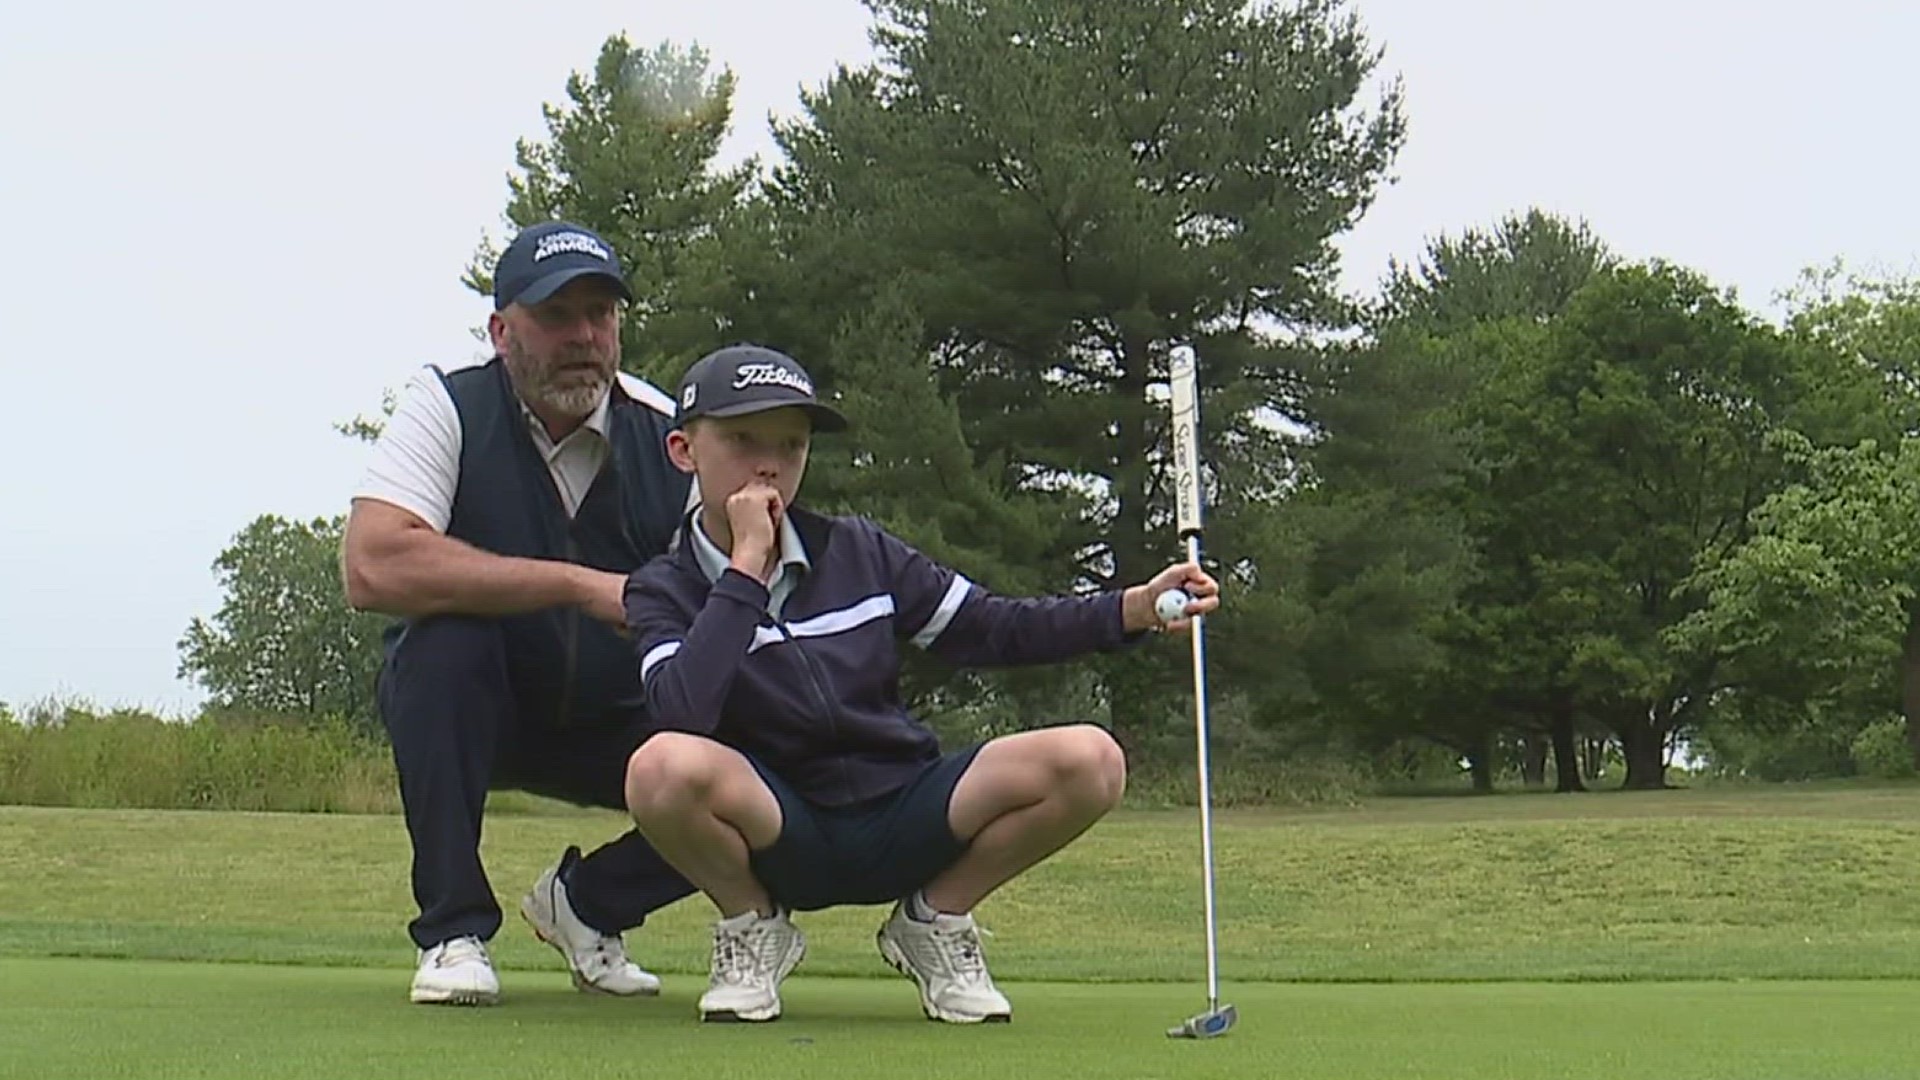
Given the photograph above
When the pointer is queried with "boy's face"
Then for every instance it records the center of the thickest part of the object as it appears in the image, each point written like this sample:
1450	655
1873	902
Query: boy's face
726	453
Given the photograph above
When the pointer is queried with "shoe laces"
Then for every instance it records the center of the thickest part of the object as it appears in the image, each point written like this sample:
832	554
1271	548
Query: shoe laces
960	941
459	951
608	949
607	954
742	952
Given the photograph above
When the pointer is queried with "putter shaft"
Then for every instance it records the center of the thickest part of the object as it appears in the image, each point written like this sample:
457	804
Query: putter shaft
1183	386
1206	792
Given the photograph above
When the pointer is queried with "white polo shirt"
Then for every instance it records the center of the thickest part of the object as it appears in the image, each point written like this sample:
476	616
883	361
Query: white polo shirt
416	459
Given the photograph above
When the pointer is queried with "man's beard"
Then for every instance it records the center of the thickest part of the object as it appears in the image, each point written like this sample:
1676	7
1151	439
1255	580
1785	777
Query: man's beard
571	392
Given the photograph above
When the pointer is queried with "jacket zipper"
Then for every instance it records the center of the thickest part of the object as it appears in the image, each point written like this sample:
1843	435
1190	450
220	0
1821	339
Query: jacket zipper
819	691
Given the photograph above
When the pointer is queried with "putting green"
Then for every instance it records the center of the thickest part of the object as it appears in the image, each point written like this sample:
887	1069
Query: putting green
101	1018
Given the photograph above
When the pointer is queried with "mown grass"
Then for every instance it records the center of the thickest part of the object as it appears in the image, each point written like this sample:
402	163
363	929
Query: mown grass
83	1020
1665	885
1695	935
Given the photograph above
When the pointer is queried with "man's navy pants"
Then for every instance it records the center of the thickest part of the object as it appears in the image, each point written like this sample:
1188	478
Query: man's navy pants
458	729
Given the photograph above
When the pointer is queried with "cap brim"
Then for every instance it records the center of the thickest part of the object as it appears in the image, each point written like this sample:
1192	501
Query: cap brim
543	289
824	417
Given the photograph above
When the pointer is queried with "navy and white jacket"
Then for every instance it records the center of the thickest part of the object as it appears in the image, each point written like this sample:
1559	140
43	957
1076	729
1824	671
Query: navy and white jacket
815	695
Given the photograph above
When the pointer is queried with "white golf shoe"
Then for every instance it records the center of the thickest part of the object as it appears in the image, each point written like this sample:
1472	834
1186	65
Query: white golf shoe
456	972
598	962
942	956
752	953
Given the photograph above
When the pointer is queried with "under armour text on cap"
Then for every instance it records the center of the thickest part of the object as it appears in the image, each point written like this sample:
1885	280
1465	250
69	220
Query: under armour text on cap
546	256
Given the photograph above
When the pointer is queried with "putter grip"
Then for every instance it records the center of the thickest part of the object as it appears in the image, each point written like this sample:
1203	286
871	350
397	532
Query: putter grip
1183	384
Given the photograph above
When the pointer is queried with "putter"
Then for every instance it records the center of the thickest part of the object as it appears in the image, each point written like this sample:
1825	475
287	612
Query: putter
1218	1019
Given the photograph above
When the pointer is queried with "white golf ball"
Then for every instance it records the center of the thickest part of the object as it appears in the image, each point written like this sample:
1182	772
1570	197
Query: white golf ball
1171	605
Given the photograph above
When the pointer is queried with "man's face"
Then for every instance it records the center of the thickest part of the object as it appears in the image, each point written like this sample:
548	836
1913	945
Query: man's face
563	352
726	453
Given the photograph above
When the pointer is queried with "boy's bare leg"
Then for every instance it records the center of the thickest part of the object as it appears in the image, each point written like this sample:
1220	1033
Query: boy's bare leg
1025	797
704	809
1021	799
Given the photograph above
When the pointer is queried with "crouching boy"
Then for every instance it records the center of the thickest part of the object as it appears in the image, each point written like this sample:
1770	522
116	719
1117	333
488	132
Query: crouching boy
785	774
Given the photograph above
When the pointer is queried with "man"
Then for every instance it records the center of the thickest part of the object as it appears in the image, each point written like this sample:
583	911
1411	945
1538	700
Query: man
504	506
786	773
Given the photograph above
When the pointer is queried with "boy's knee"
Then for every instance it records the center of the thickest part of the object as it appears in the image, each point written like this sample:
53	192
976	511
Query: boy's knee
671	772
1092	765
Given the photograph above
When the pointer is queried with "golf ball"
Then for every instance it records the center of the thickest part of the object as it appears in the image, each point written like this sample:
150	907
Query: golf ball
1171	605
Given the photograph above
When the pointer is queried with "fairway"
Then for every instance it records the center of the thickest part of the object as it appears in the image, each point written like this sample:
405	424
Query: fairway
1684	934
82	1019
1662	886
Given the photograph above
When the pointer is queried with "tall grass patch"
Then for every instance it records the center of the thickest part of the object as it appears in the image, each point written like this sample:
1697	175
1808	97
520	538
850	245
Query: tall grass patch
67	754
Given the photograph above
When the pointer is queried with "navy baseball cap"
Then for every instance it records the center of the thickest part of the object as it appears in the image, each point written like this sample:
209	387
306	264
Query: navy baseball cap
743	379
548	255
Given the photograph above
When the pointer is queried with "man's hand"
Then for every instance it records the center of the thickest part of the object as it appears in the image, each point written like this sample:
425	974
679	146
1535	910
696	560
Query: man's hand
603	596
753	516
1136	604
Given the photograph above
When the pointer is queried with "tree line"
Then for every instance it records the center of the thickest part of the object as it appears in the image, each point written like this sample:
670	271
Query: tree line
1527	500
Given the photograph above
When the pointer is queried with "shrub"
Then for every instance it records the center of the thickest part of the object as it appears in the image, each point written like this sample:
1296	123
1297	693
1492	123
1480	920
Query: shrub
1881	750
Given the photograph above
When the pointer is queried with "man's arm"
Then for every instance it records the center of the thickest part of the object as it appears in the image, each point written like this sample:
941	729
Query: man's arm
394	562
396	558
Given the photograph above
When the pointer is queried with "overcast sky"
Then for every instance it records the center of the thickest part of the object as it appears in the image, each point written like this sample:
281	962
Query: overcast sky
229	225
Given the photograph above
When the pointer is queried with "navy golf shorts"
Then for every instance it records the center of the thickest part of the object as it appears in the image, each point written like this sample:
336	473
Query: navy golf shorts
873	852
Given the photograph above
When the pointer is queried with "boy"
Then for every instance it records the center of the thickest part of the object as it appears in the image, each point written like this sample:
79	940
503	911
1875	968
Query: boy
785	774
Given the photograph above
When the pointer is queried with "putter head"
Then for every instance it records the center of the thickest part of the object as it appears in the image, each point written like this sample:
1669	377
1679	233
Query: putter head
1208	1025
